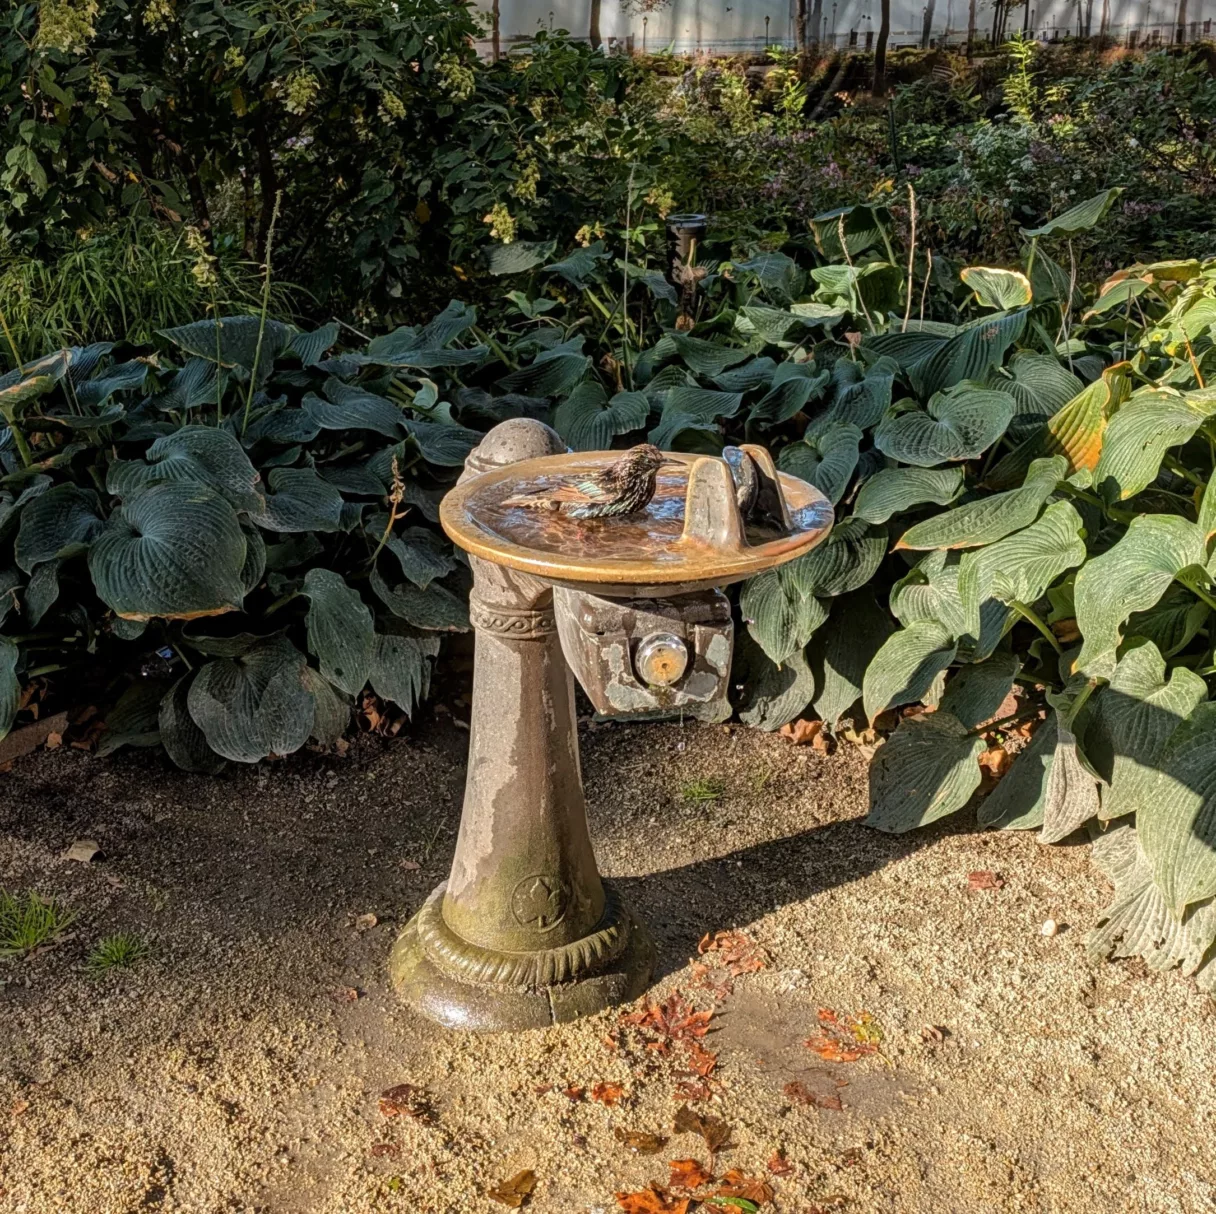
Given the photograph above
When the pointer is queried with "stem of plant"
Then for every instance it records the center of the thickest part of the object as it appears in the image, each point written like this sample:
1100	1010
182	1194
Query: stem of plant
1032	617
257	354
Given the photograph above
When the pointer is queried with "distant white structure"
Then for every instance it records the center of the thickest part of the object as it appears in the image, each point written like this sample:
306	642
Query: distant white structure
689	27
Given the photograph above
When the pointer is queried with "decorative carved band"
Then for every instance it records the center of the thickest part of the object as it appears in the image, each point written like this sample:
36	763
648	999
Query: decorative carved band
472	963
523	622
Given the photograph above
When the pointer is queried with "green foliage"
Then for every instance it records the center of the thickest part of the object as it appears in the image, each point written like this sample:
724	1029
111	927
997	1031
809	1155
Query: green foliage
117	952
28	921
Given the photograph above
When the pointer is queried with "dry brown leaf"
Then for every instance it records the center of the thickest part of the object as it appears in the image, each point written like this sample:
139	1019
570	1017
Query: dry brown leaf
691	1089
344	994
1066	630
84	850
801	732
607	1093
738	952
672	1020
19	1107
639	1141
688	1174
574	1093
514	1192
799	1093
995	761
54	740
735	1184
410	866
700	1060
983	879
385	1148
713	1130
654	1199
778	1165
364	923
845	1038
933	1032
406	1100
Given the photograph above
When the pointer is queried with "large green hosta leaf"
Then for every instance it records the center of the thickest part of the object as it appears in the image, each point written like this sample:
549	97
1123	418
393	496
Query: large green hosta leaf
184	742
975	693
254	705
968	355
1071	795
774	693
1177	823
175	550
1139	922
707	357
401	669
589	421
1081	218
894	490
989	518
1017	801
299	500
435	609
353	408
519	256
1039	385
32	380
794	386
930	591
1020	567
552	372
426	348
928	768
959	424
1131	576
864	403
10	685
340	632
843	649
59	522
204	454
1132	720
826	457
235	338
845	561
778	615
1138	436
422	554
906	666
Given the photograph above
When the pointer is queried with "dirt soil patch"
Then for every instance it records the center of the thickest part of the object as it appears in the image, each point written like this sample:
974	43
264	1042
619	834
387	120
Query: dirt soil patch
963	1060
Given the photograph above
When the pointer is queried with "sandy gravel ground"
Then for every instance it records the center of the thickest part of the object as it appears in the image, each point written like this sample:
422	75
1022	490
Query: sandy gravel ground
233	1071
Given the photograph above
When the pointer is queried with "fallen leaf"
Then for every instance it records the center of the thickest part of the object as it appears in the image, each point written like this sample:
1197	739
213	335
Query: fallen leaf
700	1060
735	1184
739	953
385	1148
84	850
982	879
574	1093
995	761
691	1089
406	1100
640	1142
801	732
365	923
672	1020
779	1165
514	1192
1066	630
410	866
688	1174
847	1038
933	1032
344	994
607	1093
19	1107
54	740
799	1093
823	743
654	1199
713	1130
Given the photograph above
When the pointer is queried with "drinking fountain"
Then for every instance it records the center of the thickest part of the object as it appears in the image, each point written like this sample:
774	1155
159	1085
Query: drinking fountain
524	933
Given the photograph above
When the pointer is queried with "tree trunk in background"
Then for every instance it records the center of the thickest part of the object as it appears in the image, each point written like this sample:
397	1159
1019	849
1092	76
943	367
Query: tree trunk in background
879	88
927	28
495	30
970	27
594	34
1180	33
816	37
800	29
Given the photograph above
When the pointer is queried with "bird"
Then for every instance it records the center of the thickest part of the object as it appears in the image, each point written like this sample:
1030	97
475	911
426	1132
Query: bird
624	487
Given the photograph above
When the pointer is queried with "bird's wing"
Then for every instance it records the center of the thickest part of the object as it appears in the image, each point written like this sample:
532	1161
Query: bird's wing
575	495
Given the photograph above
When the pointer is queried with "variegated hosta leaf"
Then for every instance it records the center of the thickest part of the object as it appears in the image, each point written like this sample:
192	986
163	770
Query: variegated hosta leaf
254	705
778	615
1001	289
1131	576
968	355
1138	436
826	458
174	550
1177	822
774	694
707	357
1017	801
989	518
1081	218
1138	922
1132	719
401	669
340	632
906	666
928	768
843	649
958	424
58	522
1020	567
589	421
1076	431
846	560
184	742
976	692
32	380
894	490
435	609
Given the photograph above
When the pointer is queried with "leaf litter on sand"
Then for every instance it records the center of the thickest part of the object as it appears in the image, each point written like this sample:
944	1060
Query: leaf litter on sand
845	1038
654	1199
688	1174
736	1185
607	1093
514	1191
799	1093
639	1141
713	1130
406	1100
737	951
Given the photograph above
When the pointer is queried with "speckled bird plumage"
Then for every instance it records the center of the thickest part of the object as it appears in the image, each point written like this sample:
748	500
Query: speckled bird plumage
624	487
